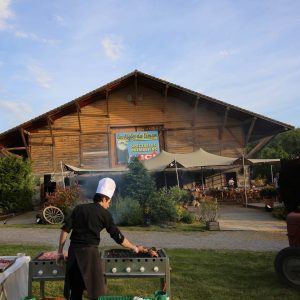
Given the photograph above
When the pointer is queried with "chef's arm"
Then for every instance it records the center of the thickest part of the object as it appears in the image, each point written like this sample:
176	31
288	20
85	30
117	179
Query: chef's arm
62	239
128	245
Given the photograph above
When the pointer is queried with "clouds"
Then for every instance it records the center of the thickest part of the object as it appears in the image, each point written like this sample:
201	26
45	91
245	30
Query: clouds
40	76
14	112
113	47
5	13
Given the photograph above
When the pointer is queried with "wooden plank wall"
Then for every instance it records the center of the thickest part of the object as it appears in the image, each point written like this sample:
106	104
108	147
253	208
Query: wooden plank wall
84	139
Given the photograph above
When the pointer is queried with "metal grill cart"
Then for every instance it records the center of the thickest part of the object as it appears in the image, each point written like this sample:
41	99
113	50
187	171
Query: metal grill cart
122	263
43	270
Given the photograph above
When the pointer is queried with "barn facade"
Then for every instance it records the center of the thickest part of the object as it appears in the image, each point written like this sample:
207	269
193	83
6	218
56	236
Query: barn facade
88	131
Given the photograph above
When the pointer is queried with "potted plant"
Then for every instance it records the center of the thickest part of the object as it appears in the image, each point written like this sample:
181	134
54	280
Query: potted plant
268	194
209	212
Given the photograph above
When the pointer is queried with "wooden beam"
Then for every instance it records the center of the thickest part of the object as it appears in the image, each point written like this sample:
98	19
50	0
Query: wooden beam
40	144
164	109
107	106
195	113
92	115
25	143
80	133
259	146
236	139
26	132
250	130
135	89
50	122
64	129
45	135
224	123
16	148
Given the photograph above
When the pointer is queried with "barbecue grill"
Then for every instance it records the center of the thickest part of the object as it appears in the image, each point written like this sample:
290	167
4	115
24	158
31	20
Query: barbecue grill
122	263
117	263
43	270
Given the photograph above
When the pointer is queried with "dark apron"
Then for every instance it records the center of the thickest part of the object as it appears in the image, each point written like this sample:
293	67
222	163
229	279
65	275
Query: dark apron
90	267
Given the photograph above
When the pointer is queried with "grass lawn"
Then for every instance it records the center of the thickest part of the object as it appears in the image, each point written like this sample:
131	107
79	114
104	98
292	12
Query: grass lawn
196	275
165	228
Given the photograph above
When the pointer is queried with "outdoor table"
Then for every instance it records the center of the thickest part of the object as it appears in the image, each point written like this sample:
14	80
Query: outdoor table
14	280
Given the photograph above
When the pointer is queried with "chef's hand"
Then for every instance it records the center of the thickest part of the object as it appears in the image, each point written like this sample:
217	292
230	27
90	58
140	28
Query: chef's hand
141	249
60	259
135	249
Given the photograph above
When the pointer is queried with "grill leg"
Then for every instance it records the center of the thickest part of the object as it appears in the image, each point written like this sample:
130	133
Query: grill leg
42	289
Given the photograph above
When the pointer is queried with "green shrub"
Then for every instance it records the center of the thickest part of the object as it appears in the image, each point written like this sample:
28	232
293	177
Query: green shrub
209	209
268	192
162	208
16	184
178	195
65	198
138	184
279	212
127	211
187	217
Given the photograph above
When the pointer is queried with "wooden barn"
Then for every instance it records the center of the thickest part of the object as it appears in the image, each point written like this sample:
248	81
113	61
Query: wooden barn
92	131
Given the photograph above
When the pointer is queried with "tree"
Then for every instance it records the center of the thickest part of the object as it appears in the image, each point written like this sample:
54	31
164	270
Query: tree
285	145
16	184
138	184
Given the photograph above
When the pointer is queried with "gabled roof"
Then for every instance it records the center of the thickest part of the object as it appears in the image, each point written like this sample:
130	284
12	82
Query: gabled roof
264	126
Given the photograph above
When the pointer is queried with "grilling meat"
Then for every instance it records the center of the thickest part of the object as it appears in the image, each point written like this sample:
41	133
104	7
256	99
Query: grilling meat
150	251
52	255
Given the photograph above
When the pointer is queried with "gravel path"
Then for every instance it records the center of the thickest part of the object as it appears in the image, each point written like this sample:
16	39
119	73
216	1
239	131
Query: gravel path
241	229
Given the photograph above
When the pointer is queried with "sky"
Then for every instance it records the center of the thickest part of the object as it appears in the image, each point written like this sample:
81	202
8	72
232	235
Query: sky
245	53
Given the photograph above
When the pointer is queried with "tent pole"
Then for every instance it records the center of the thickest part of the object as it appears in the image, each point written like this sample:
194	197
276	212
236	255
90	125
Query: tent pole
62	175
272	176
176	173
202	182
246	200
165	177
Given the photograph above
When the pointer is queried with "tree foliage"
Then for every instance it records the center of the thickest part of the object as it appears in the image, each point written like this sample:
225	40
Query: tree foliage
285	145
16	184
138	184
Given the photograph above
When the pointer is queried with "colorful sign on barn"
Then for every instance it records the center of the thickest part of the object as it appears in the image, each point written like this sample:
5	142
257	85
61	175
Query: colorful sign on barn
141	144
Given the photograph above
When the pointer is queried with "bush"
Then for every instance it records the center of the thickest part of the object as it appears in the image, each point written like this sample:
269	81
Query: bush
268	192
16	184
209	209
162	208
138	184
187	217
65	198
178	195
279	212
127	211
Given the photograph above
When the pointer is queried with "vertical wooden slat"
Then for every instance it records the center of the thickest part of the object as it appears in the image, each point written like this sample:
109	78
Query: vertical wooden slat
80	133
195	113
107	104
164	109
221	132
135	88
50	122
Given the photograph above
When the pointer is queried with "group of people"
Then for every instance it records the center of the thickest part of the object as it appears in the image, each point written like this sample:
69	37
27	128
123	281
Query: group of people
83	266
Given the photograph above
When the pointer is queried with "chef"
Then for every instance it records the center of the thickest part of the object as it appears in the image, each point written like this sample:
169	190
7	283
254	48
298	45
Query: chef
83	268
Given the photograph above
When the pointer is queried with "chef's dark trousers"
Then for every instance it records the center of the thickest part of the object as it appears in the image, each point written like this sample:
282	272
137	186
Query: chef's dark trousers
76	283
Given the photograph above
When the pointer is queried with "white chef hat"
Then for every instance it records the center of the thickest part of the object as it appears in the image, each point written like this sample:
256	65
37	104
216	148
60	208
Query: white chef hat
106	187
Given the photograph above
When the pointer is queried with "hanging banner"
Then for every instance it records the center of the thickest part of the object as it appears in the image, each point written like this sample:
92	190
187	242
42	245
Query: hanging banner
140	144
